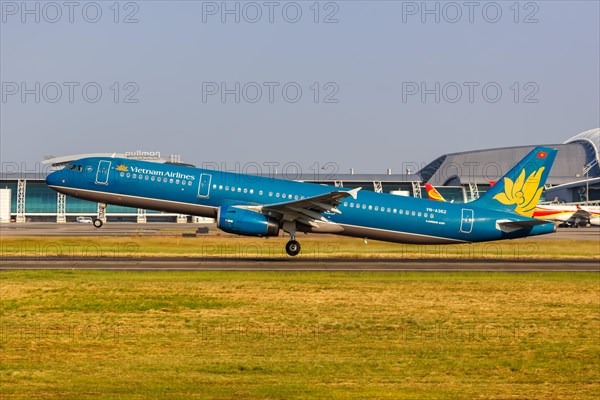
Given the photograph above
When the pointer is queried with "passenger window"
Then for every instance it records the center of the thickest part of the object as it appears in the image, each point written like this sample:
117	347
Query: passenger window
370	207
395	211
364	206
376	208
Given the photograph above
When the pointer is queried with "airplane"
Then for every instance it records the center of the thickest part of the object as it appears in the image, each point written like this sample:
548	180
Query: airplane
433	194
560	213
593	214
260	206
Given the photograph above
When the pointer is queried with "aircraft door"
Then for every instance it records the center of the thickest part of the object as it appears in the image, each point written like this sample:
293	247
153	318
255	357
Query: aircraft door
204	185
466	221
102	173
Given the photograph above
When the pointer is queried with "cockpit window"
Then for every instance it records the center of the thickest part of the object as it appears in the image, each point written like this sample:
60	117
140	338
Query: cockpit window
73	167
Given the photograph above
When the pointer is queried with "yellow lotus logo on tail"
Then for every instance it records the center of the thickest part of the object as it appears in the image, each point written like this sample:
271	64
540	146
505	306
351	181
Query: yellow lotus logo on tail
122	168
525	193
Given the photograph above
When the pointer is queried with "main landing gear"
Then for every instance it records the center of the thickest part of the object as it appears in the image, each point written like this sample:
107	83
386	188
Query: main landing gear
97	222
292	247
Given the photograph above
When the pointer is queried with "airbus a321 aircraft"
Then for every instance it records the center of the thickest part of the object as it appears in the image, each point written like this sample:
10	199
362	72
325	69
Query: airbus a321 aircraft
258	206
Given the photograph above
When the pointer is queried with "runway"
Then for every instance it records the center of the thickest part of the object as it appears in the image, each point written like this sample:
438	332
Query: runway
299	265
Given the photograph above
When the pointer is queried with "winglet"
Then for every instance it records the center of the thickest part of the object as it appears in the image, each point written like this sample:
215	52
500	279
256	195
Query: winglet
354	192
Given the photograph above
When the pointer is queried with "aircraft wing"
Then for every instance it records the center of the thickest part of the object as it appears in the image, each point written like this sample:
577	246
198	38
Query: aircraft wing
506	225
307	211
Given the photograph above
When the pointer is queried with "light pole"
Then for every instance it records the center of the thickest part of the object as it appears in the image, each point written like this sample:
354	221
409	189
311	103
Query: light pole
586	170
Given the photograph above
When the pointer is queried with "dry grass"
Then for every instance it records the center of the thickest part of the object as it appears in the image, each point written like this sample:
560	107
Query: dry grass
78	335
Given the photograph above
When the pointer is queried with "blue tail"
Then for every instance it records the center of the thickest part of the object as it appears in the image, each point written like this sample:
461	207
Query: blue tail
520	189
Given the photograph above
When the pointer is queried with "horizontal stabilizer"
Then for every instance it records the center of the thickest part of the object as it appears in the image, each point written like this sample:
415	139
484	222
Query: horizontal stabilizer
507	226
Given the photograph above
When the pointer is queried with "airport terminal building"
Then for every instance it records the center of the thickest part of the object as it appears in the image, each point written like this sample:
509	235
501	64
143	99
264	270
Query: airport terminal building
459	177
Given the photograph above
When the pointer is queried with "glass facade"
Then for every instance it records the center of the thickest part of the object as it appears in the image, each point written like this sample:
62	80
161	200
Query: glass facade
454	194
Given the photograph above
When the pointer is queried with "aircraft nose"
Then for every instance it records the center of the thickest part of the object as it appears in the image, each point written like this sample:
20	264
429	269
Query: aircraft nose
54	179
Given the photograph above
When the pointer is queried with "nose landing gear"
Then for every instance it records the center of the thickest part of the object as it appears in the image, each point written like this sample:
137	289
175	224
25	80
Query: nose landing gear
99	221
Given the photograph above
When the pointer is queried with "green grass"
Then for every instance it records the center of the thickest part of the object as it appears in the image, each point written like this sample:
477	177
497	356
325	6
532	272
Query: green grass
219	335
313	246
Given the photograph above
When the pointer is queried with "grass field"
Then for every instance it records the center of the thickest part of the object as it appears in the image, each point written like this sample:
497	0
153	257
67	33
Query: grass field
313	246
78	335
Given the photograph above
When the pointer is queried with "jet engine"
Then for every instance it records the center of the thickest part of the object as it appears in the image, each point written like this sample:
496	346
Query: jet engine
245	222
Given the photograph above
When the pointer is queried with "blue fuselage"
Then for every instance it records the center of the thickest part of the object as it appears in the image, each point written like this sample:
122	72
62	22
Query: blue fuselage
195	191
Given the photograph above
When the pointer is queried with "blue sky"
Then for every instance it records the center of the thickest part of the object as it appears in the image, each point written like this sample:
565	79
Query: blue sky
382	83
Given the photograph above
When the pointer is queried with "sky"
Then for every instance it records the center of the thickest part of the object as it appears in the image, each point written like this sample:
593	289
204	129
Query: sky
368	85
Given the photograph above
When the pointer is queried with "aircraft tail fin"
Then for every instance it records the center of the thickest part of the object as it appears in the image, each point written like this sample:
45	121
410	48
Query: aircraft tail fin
433	194
520	189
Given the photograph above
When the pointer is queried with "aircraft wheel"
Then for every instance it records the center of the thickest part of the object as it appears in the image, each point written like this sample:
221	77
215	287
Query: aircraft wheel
98	223
292	248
